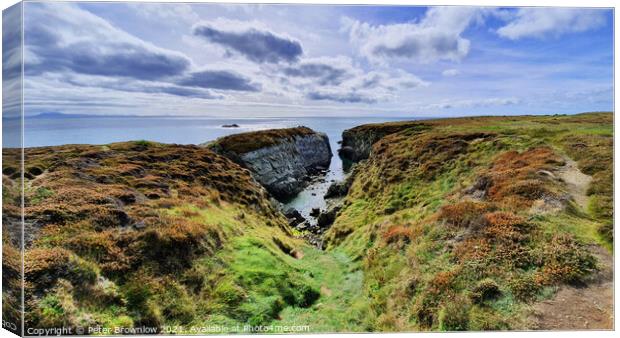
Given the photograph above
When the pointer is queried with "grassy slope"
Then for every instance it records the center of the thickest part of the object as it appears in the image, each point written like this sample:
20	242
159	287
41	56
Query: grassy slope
435	258
146	234
140	233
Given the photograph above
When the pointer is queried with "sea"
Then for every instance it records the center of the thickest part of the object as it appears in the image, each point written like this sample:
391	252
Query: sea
66	129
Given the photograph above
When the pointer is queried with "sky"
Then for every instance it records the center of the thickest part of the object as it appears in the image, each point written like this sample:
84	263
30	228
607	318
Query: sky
314	60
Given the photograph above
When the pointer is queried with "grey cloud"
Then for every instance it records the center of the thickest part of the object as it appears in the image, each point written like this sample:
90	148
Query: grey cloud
220	79
140	87
413	47
341	97
326	74
79	48
256	45
93	57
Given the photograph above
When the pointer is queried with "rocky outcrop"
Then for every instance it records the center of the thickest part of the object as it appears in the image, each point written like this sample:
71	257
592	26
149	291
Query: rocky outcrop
340	189
357	142
282	160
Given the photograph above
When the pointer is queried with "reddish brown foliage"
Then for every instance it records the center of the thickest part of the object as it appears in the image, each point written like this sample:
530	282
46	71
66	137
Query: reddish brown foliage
515	177
398	233
464	214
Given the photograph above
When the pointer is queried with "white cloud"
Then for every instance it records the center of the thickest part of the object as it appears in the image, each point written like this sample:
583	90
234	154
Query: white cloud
450	72
476	103
542	22
339	79
437	36
165	12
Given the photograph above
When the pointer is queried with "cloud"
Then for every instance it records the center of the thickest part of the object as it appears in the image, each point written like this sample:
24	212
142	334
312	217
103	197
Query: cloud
11	61
477	103
437	36
450	72
133	86
62	37
11	43
219	79
543	22
324	73
165	13
66	45
351	97
257	45
338	80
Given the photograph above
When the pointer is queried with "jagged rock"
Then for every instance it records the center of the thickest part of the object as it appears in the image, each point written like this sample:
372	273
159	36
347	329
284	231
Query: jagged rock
337	189
302	226
315	212
294	217
234	125
327	218
341	189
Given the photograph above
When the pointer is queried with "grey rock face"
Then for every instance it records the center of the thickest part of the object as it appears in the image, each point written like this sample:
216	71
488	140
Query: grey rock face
356	146
285	169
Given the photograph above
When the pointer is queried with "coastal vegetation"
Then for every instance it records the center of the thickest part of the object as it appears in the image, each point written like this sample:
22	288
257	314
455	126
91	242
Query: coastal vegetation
452	224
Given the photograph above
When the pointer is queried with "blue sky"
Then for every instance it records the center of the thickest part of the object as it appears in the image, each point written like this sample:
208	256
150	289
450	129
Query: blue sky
276	60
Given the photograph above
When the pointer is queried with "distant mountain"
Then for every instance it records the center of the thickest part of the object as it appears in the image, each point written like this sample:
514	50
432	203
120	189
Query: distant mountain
58	115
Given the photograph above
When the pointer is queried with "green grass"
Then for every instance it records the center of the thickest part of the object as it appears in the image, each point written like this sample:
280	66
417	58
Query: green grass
415	282
213	251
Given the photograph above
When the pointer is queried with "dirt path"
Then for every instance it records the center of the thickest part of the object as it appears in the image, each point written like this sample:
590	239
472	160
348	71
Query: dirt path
579	308
576	182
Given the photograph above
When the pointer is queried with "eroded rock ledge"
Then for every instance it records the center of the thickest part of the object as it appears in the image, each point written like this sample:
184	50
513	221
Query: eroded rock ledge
282	160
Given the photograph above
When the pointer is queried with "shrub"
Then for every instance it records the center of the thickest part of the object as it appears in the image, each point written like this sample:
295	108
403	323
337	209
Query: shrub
526	287
56	309
486	289
43	267
567	260
463	214
504	227
398	233
454	315
138	291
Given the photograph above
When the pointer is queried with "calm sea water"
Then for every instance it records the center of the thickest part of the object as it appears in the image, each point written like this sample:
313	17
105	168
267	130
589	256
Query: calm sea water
189	130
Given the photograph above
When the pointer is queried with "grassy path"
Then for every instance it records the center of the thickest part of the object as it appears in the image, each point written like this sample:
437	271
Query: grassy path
340	307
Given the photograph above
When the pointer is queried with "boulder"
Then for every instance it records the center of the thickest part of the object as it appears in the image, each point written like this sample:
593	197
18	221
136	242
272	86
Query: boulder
315	212
294	217
327	218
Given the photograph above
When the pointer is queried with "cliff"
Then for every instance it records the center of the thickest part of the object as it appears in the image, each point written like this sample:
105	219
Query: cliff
281	160
456	218
357	142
